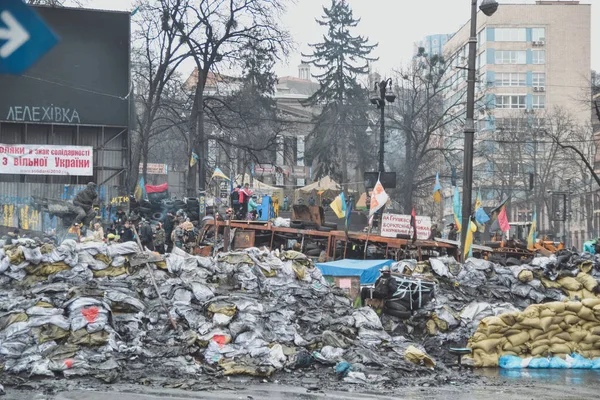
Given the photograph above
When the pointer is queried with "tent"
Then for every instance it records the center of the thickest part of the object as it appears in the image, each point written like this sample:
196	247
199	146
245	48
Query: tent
368	270
323	188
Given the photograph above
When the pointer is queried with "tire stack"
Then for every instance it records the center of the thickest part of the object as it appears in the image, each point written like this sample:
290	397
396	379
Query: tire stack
192	208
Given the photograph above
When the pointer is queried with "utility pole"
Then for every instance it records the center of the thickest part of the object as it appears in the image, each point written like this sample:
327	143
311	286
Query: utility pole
384	93
488	7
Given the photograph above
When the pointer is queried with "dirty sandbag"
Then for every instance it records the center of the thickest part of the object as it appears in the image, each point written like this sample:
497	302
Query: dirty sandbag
276	357
555	294
92	248
479	264
471	277
15	255
439	268
41	368
317	275
245	278
360	378
220	319
366	317
91	262
57	320
39	311
329	355
522	273
536	296
223	308
371	336
201	292
10	318
82	337
22	364
175	263
121	302
405	267
33	256
543	261
521	290
122	249
12	349
69	363
4	264
248	305
78	275
418	357
335	339
447	315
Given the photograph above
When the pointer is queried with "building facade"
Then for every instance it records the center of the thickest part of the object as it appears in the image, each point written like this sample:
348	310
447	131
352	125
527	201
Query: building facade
432	44
533	62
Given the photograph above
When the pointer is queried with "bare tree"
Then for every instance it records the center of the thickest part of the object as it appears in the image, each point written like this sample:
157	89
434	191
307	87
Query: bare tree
216	34
420	118
56	3
157	56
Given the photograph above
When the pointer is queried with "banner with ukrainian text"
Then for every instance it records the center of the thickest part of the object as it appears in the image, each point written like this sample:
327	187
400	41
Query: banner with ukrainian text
46	159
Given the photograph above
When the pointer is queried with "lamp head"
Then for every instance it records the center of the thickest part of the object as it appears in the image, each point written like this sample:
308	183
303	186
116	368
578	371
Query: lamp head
488	7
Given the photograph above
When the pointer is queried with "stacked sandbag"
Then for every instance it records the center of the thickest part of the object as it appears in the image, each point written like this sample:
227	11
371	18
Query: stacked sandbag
83	309
558	329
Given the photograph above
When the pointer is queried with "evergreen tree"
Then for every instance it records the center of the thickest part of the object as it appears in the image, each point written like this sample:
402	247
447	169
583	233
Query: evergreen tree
340	58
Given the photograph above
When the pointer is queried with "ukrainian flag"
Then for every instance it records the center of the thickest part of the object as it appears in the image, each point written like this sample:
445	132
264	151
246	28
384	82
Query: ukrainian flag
140	190
437	189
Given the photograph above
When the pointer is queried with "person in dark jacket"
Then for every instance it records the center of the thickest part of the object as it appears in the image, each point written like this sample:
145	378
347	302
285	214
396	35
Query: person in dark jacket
159	239
385	287
126	233
168	226
84	202
146	235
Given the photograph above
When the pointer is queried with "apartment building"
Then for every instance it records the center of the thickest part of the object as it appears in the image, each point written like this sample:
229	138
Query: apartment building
432	44
531	59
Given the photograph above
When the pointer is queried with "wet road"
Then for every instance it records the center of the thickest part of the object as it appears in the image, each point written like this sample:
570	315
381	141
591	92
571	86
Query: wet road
514	385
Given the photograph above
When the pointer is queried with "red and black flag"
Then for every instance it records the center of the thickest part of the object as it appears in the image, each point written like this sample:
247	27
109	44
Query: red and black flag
413	224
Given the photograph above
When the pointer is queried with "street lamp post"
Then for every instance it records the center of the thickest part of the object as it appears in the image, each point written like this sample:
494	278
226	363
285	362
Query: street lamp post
488	7
385	94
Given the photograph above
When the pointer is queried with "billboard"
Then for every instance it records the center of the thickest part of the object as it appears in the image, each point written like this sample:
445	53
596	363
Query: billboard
394	224
83	80
45	159
155	169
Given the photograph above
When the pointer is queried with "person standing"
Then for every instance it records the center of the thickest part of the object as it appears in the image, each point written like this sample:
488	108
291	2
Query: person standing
168	227
235	200
252	208
312	201
286	203
126	233
245	194
159	239
146	235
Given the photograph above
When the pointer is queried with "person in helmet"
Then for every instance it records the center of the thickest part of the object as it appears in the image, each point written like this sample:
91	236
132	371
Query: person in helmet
385	287
84	201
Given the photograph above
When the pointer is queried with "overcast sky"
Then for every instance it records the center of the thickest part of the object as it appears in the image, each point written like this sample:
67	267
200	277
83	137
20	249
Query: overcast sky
394	24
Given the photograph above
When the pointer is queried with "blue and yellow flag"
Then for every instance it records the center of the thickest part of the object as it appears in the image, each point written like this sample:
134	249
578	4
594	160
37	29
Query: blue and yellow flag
468	250
457	208
193	159
531	238
219	174
480	215
140	190
339	206
437	189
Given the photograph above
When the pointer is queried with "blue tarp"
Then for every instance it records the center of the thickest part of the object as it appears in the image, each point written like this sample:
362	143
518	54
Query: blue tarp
368	270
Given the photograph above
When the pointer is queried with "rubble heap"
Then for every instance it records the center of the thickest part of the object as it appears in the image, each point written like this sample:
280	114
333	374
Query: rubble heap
467	293
84	310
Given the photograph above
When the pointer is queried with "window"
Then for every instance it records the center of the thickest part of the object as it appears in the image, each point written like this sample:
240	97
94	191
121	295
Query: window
539	57
510	57
539	101
511	35
511	101
538	34
539	79
481	58
481	37
510	79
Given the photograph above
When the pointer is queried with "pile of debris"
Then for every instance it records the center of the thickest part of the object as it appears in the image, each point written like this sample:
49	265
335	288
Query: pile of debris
467	293
558	329
86	309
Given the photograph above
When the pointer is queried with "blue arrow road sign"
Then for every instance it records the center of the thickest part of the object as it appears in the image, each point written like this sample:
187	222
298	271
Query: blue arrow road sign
24	37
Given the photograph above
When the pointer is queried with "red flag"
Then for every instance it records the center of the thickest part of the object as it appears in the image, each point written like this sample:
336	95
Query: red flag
413	223
503	220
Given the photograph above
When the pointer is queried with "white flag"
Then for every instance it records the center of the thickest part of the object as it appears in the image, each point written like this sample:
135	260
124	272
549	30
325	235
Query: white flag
378	198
